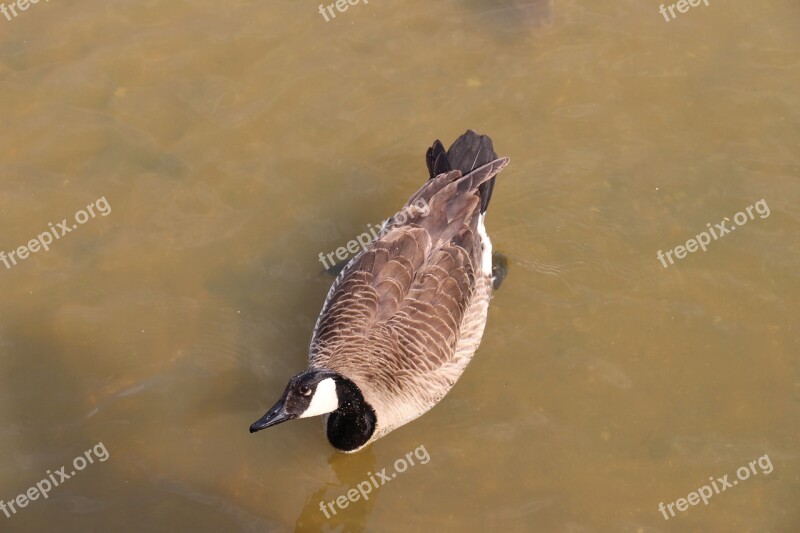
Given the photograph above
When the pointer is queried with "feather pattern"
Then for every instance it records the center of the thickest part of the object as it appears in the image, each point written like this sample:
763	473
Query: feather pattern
405	316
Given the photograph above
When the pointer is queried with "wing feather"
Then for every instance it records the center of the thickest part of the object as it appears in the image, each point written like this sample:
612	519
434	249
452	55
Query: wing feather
411	287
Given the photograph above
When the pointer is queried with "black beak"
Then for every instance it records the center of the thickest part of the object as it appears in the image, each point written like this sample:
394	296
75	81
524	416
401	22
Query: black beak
274	416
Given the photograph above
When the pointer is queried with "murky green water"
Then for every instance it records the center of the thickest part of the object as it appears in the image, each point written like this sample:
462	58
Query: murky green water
233	142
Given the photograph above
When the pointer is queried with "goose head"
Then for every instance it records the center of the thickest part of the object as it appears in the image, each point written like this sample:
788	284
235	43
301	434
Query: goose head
350	421
309	393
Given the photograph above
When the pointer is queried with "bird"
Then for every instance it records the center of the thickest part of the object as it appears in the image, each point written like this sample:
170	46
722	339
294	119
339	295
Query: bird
405	316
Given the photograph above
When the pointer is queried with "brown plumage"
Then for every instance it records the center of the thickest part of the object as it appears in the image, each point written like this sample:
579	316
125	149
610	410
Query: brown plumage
404	317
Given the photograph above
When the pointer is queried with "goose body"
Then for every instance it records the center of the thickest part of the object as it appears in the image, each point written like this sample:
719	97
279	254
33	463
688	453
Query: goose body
404	317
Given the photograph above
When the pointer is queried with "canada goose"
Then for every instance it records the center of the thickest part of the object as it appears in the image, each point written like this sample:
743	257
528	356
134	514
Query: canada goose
405	316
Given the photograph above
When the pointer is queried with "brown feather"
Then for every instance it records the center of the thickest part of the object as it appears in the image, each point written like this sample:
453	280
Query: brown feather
404	317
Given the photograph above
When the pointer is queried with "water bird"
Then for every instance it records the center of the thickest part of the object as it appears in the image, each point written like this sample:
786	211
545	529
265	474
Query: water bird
404	317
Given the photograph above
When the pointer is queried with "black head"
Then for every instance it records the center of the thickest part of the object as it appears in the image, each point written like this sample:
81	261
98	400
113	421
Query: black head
310	393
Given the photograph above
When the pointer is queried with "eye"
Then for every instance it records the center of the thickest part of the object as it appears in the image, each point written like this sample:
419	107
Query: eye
305	390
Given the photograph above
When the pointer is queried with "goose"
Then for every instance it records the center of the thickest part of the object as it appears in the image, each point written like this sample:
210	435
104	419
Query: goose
405	316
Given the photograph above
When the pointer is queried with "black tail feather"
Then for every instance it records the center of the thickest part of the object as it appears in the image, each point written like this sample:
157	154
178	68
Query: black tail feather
468	152
437	160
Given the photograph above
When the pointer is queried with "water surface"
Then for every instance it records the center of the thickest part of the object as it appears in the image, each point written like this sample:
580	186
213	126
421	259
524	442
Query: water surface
236	141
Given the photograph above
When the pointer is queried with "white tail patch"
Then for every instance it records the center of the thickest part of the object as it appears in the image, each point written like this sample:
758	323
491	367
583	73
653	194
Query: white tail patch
486	258
324	400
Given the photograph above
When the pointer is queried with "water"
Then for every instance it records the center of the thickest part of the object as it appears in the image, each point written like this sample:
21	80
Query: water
235	142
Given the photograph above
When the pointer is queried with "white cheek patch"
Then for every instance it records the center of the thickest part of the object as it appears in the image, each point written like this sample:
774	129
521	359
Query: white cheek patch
324	399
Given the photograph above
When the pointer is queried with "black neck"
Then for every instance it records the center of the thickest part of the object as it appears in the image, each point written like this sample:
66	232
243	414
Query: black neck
353	423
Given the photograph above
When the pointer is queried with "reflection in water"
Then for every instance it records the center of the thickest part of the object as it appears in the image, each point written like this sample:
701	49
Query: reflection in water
350	470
